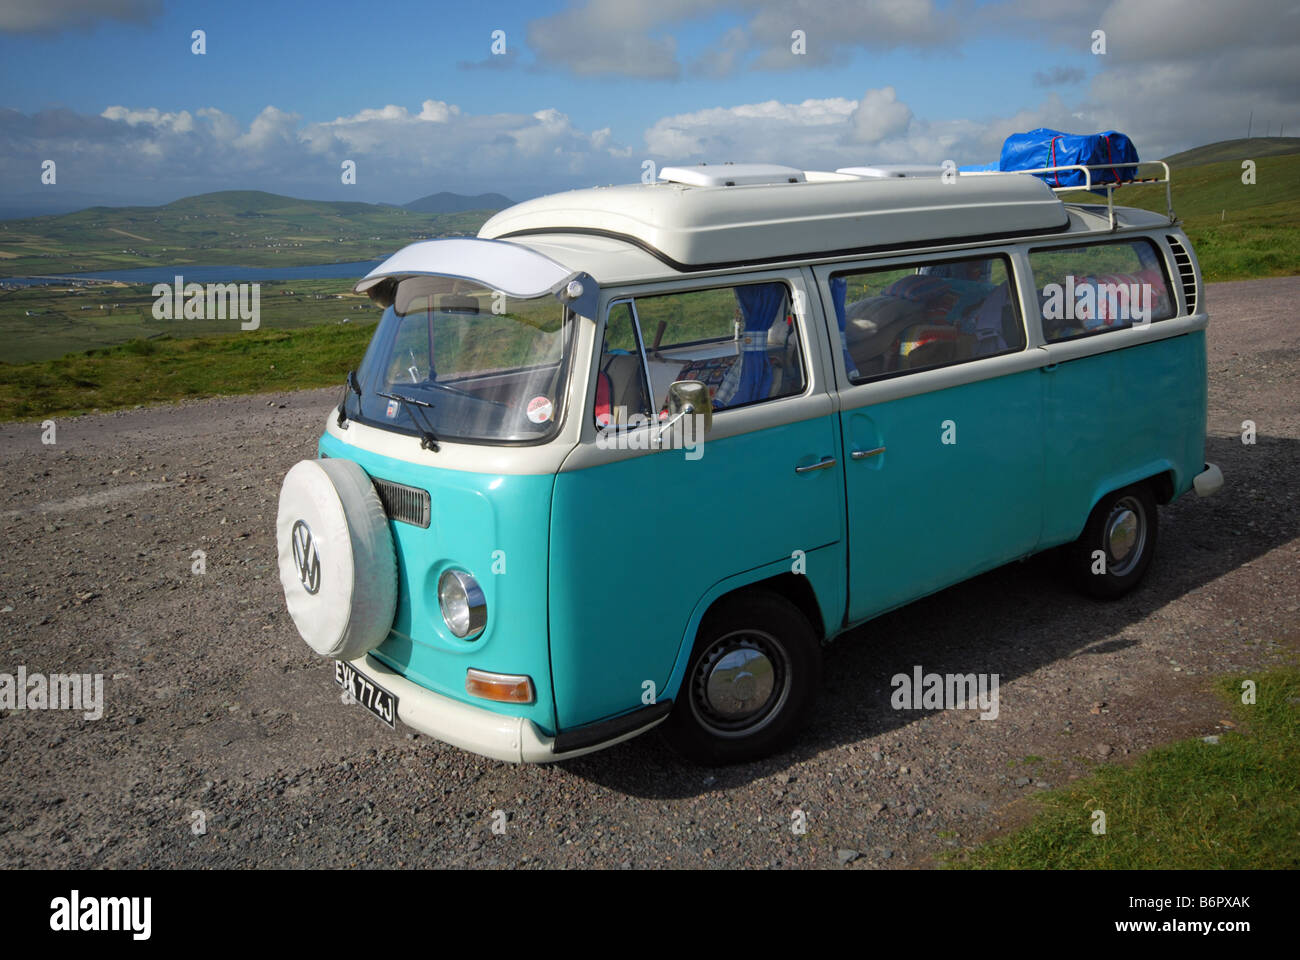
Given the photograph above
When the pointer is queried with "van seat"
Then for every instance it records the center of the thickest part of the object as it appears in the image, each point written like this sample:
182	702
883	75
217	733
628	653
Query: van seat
621	383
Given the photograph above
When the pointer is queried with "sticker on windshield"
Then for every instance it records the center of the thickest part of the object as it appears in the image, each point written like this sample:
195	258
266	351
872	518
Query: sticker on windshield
392	409
540	409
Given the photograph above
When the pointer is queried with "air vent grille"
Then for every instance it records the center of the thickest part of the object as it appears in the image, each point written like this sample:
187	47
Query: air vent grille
1186	272
407	504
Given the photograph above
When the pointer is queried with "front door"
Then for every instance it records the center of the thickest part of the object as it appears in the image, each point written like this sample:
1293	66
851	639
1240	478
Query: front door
639	535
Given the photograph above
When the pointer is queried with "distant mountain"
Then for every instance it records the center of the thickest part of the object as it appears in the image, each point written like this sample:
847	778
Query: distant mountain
1242	149
456	203
235	203
232	227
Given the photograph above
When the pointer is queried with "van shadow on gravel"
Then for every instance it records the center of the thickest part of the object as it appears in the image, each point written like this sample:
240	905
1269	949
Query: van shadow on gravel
1010	621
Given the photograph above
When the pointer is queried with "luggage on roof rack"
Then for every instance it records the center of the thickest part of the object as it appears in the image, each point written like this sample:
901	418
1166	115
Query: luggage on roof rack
1100	162
1041	148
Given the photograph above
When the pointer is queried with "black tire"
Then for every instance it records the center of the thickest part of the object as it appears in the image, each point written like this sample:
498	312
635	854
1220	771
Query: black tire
1127	553
735	726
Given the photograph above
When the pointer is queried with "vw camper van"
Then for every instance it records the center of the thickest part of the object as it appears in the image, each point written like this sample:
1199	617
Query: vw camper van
628	458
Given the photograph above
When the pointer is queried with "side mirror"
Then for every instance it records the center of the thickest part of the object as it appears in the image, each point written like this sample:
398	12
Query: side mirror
689	398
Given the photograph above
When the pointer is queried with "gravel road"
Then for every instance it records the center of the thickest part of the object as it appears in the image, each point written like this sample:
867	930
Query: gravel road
217	715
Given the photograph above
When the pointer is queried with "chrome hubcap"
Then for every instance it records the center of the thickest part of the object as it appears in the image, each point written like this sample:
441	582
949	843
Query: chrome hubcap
1125	536
740	683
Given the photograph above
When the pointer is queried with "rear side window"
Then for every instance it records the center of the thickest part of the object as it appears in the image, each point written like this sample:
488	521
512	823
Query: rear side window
741	341
896	320
1100	287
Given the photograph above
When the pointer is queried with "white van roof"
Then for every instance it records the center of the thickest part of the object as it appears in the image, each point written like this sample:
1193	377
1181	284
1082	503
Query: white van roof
692	228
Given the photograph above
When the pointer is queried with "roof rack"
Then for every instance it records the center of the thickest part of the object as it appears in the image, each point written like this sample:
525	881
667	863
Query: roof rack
1088	184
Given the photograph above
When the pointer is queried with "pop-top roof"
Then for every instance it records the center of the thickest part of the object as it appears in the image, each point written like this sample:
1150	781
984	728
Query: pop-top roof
696	227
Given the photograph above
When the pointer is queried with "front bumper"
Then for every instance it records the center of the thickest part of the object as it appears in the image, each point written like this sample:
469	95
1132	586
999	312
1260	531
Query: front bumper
481	731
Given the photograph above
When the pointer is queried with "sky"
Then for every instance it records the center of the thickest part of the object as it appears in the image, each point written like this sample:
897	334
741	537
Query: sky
525	98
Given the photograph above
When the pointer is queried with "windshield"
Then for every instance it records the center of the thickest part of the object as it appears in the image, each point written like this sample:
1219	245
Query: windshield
466	363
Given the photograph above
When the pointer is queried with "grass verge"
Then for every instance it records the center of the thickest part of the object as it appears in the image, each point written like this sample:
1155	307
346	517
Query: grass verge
162	369
1189	805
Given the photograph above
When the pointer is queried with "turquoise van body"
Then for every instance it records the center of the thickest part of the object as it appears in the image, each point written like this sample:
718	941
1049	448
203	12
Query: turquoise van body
600	574
473	516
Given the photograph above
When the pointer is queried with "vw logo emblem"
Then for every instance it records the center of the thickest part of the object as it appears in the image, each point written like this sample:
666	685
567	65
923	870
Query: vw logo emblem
305	557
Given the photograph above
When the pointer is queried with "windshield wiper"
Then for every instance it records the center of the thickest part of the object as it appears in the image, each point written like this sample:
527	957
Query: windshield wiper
428	441
350	383
434	384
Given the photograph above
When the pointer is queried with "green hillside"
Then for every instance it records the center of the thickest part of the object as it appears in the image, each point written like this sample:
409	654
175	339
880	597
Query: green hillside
1238	150
1239	230
237	227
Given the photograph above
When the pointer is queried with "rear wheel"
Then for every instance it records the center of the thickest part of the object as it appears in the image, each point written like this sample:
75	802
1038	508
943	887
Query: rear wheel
751	683
1115	550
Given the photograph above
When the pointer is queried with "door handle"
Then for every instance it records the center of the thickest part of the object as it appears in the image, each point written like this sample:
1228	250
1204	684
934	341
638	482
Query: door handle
867	454
822	464
1049	367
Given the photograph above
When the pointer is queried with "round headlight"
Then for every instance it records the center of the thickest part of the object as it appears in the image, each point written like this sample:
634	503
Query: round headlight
463	608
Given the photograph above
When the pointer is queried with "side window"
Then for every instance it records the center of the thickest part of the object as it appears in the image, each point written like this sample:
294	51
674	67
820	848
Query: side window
741	341
898	319
1099	287
620	380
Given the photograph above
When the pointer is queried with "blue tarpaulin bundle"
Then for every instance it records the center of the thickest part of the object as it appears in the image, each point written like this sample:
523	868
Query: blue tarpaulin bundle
1052	148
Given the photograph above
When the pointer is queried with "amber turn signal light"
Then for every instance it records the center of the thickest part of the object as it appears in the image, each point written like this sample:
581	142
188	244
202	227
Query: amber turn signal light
502	687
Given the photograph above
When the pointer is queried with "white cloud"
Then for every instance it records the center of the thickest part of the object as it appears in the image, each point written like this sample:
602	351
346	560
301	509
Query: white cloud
632	37
834	132
435	111
613	37
400	154
751	131
1176	73
181	122
47	16
835	27
880	116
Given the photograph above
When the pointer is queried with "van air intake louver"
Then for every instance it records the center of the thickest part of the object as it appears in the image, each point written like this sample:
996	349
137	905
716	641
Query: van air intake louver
407	504
1186	272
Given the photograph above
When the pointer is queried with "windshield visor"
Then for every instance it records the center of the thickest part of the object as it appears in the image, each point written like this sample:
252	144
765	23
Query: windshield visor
467	363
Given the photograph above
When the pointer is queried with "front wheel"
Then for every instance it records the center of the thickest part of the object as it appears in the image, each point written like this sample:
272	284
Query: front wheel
1115	550
752	681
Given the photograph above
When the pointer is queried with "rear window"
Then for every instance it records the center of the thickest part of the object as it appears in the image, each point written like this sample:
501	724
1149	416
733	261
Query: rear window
1100	287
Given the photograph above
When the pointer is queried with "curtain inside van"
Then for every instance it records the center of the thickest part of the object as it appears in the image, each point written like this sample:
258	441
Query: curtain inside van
839	293
759	303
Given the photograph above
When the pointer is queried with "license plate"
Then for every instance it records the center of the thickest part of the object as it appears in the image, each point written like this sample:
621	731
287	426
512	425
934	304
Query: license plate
366	692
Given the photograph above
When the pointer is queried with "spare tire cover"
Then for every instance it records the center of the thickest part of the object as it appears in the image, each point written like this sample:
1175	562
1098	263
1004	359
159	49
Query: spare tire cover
338	567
